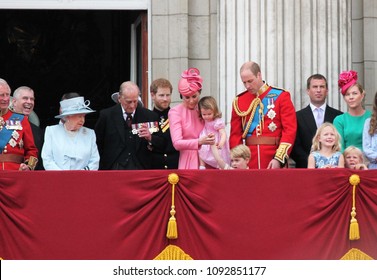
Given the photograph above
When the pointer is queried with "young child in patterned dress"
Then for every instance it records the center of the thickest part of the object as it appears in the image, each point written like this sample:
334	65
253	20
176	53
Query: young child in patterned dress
213	156
325	151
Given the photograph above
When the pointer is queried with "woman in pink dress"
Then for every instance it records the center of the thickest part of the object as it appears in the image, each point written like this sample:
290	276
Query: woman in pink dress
185	123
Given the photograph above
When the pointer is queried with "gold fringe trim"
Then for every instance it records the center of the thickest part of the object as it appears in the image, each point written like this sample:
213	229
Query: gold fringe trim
172	252
172	230
356	254
252	109
354	233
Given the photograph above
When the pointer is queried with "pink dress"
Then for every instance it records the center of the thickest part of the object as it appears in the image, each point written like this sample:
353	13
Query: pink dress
205	152
185	127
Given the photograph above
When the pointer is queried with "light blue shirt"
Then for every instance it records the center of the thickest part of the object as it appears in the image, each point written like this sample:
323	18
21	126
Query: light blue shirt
63	150
370	145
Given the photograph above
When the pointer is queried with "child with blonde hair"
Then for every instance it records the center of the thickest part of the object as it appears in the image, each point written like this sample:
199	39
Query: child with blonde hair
216	155
354	158
325	151
240	157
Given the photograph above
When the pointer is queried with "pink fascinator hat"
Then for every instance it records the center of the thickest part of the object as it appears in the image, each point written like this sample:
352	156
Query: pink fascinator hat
346	80
190	82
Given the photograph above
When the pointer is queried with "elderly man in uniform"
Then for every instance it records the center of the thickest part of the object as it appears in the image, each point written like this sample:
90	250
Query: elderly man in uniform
17	148
264	118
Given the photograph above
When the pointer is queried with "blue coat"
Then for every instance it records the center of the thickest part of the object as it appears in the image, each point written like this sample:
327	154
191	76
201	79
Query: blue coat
62	151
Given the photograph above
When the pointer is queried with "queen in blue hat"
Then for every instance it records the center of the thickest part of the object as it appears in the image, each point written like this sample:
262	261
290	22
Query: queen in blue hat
69	145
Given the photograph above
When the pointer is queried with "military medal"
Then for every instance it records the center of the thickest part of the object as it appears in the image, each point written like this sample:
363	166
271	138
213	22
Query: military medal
21	144
13	124
152	126
12	143
162	120
271	104
272	126
2	123
271	114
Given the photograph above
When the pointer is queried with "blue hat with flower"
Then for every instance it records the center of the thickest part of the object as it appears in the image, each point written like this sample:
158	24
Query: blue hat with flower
74	106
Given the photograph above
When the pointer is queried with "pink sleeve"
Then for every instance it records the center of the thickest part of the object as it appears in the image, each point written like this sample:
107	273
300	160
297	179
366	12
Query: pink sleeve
179	143
219	124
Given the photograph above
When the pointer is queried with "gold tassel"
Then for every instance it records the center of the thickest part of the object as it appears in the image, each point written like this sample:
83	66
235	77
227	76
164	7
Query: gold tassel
354	233
172	231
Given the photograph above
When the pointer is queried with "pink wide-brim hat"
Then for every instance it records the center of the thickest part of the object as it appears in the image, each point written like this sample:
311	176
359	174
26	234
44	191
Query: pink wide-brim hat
346	80
190	82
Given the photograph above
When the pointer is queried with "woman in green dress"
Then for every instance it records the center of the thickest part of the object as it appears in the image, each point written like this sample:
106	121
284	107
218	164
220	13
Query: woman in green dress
350	124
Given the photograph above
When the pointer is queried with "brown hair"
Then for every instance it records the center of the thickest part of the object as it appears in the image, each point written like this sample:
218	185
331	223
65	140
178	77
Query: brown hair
252	66
160	83
315	77
373	119
209	103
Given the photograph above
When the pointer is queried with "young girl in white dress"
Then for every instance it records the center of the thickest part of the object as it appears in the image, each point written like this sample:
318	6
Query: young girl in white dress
213	156
325	151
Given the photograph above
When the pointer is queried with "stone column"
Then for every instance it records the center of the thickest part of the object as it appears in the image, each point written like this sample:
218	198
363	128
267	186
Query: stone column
290	39
364	42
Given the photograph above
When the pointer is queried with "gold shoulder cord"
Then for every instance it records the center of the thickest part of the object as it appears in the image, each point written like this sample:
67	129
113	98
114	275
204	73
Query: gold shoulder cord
252	108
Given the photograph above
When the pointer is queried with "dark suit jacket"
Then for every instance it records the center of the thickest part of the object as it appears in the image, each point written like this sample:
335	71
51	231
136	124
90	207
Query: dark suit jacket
168	157
111	136
38	135
306	129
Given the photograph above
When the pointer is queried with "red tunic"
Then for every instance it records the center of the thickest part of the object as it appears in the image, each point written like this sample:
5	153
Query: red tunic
281	125
20	143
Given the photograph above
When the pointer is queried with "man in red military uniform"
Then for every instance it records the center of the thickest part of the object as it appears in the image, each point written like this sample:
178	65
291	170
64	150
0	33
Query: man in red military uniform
263	118
17	148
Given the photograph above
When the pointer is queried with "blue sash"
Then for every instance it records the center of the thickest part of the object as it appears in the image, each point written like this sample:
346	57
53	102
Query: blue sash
274	94
6	134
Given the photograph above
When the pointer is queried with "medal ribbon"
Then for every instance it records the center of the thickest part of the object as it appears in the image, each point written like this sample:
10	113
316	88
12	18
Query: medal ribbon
272	95
5	133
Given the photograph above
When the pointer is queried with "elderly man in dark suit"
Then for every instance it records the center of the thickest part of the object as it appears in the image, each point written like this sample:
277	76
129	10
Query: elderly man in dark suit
127	133
311	117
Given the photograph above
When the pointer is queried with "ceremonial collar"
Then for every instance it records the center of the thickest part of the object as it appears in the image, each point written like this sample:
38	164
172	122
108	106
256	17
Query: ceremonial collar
262	89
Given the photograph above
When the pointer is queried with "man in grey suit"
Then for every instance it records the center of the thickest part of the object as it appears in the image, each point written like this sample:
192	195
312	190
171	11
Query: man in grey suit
311	117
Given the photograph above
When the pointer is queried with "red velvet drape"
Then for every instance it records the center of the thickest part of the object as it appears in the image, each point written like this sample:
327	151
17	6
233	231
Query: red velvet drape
232	214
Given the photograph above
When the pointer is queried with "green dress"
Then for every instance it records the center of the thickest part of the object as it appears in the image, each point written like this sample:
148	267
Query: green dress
350	129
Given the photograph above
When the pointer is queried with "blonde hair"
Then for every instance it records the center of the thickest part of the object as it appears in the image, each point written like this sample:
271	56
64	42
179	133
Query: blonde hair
316	145
351	149
209	103
240	151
